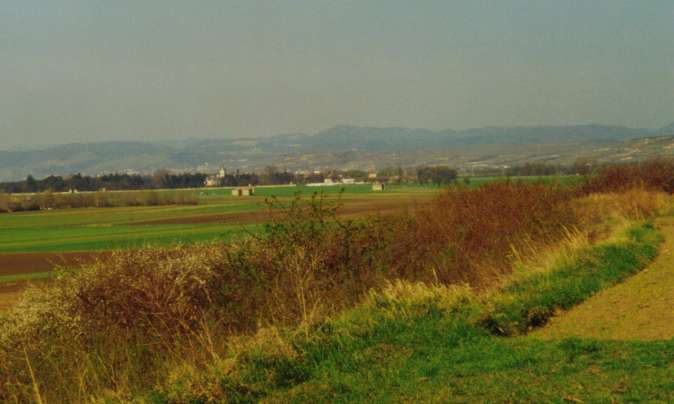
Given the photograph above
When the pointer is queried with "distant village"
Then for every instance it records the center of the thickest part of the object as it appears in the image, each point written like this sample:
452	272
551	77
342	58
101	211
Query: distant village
311	179
244	183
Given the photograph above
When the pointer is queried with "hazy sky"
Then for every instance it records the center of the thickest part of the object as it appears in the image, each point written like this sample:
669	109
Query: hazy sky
79	70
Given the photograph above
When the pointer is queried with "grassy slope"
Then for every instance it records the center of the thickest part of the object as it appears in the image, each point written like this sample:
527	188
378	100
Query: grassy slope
640	308
433	364
429	350
424	361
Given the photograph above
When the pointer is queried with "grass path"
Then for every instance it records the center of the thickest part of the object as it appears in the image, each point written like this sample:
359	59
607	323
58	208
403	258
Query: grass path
640	308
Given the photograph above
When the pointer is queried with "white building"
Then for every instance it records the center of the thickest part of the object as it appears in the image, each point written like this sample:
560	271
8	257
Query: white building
243	191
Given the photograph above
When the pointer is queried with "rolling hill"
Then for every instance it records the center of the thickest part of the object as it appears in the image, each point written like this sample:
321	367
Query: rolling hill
347	147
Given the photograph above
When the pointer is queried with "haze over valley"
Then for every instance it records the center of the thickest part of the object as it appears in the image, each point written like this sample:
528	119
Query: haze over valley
349	147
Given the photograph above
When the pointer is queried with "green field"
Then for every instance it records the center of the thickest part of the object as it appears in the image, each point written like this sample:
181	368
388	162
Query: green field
95	229
103	229
289	191
566	180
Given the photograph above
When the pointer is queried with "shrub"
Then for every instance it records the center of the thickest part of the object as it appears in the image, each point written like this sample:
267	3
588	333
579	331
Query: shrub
5	203
655	174
466	235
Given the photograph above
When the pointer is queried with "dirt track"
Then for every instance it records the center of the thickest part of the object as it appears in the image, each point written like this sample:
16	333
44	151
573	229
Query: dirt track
640	308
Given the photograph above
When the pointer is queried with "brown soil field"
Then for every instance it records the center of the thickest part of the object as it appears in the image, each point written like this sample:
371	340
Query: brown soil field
27	263
349	210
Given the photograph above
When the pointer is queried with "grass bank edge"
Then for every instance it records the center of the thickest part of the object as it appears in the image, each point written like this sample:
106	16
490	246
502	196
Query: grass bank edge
531	301
276	362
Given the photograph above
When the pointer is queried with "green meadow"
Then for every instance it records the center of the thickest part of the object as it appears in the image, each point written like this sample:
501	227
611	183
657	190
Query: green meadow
92	229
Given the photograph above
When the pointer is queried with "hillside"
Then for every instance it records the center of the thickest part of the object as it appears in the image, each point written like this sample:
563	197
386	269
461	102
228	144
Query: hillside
348	147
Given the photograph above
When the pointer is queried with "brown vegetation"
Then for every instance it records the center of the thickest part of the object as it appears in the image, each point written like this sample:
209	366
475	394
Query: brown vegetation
117	323
100	199
652	175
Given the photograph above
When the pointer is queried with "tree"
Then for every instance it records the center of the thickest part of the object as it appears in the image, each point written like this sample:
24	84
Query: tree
31	184
582	166
437	175
161	178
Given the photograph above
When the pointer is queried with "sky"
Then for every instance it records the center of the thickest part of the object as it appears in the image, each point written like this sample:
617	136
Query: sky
98	70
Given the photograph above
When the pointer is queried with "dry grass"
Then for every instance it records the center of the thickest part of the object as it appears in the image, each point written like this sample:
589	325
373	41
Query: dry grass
468	235
49	200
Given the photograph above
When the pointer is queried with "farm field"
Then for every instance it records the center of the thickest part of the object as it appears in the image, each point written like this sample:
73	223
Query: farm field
218	216
32	244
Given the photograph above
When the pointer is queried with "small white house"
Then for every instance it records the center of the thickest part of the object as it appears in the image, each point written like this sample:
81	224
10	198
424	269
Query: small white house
243	191
377	186
212	181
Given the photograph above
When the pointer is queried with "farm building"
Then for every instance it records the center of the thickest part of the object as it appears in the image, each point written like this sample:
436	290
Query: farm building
243	191
377	186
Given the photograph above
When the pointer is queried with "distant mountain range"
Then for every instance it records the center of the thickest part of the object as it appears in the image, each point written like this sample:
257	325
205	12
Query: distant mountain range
337	147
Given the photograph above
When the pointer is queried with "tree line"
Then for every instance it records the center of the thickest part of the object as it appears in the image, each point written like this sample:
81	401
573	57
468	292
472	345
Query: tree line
164	179
81	182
